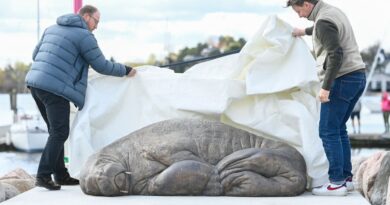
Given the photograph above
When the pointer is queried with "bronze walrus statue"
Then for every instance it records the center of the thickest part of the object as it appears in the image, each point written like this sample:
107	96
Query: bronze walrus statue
194	157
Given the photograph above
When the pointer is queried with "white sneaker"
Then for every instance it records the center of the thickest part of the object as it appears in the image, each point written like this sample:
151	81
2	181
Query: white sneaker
330	189
349	184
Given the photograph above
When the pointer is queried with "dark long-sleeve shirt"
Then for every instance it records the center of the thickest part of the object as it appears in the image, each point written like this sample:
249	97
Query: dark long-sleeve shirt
328	35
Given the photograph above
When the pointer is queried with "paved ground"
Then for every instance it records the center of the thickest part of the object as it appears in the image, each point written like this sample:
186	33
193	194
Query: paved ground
72	195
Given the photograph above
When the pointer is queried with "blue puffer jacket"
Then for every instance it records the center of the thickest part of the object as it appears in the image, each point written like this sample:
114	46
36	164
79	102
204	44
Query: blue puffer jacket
62	57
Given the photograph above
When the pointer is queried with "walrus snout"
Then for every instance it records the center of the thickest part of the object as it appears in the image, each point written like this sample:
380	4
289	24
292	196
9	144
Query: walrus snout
107	178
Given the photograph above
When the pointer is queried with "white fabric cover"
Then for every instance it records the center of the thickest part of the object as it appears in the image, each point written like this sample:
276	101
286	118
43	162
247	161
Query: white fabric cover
269	89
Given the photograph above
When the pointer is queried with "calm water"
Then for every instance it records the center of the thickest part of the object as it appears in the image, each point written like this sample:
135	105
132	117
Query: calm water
13	160
371	123
25	102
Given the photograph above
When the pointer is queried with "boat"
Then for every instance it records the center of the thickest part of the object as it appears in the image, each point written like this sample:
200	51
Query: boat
5	124
3	131
29	133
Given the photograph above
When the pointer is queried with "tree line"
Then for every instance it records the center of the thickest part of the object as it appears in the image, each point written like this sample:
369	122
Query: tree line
12	76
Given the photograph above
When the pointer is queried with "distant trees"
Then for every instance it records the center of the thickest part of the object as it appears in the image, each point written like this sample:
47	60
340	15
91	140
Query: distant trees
369	54
12	77
206	49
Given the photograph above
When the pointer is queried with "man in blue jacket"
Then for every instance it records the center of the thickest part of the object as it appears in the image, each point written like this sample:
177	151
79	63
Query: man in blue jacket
58	76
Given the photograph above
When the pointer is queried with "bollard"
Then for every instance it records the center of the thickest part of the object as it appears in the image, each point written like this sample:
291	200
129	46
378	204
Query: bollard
13	100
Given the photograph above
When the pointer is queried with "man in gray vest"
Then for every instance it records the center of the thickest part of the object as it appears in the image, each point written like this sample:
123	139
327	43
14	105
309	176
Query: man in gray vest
342	73
58	76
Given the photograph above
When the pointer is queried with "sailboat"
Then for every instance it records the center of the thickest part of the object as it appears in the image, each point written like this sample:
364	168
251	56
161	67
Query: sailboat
29	133
5	123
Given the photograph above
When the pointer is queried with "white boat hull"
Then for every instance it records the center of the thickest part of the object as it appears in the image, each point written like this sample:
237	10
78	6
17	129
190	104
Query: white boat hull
29	141
4	129
6	119
3	133
29	135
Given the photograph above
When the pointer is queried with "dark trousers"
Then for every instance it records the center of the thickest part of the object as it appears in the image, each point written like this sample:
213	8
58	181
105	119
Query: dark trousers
55	111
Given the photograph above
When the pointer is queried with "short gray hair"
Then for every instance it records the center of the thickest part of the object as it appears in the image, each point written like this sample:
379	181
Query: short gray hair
299	2
87	9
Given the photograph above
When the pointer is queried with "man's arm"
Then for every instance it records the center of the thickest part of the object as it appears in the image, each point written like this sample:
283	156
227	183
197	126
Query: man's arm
301	32
91	52
328	35
309	30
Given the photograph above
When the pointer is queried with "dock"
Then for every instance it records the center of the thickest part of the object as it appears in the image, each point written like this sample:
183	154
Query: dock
73	195
370	140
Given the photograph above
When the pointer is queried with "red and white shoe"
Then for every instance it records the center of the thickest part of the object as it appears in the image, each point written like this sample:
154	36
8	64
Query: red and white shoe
349	184
330	189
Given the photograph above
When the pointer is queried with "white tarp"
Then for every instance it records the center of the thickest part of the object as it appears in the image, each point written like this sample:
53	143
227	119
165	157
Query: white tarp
269	89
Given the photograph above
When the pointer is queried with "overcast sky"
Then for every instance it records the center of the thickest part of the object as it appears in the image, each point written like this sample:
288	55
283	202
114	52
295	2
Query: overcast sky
131	30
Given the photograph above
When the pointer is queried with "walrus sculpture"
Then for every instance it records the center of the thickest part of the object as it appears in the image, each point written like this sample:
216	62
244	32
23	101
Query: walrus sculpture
194	157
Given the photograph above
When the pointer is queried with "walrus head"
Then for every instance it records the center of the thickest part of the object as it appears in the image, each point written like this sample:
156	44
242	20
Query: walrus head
105	175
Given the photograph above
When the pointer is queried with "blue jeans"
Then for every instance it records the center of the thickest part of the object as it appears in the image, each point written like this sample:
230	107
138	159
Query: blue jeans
344	94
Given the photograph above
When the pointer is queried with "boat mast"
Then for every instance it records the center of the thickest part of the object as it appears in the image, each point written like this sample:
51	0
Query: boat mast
38	22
